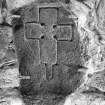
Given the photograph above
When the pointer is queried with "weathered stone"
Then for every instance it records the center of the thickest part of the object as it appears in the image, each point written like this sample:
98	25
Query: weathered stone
9	78
98	81
47	1
32	30
48	50
67	53
65	1
48	16
64	33
65	79
54	84
49	72
63	17
37	78
6	36
3	44
9	56
38	73
30	13
7	47
101	16
29	56
35	48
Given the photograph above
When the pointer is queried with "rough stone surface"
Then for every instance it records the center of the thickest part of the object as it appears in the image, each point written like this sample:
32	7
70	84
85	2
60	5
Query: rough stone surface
30	13
64	33
9	78
33	30
48	15
67	53
34	46
47	1
48	50
63	17
8	60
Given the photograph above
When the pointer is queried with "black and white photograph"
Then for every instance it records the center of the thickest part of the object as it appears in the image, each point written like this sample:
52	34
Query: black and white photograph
52	52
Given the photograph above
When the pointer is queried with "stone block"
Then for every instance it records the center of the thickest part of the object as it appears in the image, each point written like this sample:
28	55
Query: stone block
48	50
64	33
32	30
48	15
67	53
63	17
